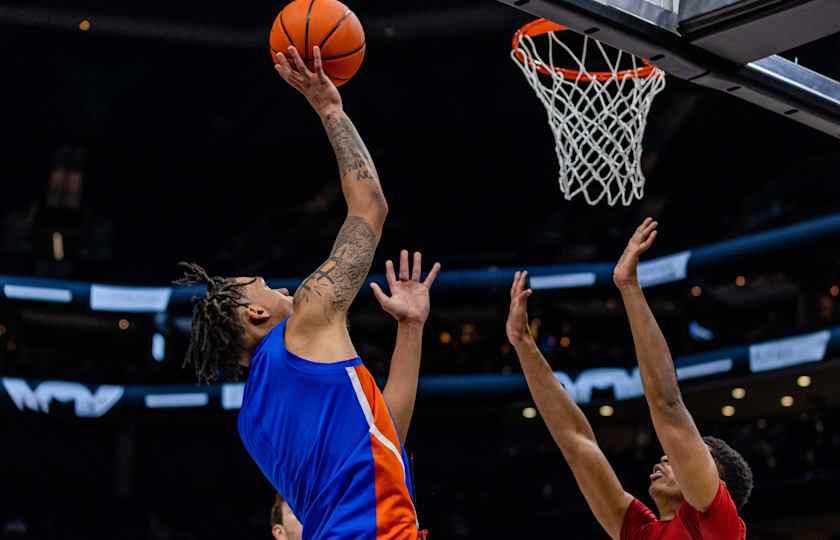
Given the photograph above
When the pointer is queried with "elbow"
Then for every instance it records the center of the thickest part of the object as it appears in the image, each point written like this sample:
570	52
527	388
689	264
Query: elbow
670	403
378	208
382	207
374	209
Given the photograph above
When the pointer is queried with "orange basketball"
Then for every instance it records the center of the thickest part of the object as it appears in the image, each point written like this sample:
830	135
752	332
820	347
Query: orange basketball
326	23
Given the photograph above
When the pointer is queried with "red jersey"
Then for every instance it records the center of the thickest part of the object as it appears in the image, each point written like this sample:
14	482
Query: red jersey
719	522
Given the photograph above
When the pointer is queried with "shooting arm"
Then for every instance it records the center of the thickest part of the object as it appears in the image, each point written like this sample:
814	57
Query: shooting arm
359	179
332	287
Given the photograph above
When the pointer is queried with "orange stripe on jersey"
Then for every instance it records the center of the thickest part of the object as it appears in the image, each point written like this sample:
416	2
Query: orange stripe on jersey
396	518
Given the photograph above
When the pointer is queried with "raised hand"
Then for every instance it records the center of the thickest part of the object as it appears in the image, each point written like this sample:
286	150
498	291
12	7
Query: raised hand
517	327
624	274
318	89
409	300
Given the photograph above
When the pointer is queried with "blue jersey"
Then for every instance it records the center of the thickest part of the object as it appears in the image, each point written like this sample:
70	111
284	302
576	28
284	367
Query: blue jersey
323	436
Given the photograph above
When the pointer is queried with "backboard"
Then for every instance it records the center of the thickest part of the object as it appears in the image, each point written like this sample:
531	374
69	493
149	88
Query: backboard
730	45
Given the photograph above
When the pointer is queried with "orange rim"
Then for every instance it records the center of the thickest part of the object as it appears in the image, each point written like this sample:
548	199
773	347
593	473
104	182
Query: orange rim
540	27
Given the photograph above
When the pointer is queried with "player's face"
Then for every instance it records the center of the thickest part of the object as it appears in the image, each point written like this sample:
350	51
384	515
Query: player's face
278	302
294	529
663	483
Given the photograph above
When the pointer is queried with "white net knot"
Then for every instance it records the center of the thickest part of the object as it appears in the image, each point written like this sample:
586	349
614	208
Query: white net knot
598	120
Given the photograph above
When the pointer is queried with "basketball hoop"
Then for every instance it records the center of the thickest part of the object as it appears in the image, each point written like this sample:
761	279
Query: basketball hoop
598	117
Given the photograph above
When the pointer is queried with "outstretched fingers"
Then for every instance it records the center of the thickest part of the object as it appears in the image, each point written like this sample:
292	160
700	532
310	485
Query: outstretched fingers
417	267
285	70
319	64
404	271
514	284
517	291
300	65
433	273
648	241
380	295
390	275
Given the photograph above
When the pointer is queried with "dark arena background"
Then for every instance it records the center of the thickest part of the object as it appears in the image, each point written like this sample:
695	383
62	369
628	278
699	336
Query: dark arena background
134	135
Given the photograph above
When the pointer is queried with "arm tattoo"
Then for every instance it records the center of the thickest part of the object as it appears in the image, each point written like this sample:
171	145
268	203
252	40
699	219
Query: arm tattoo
339	278
353	157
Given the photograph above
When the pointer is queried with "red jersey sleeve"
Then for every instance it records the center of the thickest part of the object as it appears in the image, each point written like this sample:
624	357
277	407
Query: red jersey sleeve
636	520
720	520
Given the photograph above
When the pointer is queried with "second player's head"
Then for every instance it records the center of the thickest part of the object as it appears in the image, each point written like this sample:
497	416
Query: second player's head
230	320
284	523
733	468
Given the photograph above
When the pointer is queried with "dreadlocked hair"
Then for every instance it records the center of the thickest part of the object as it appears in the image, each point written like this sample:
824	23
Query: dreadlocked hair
217	331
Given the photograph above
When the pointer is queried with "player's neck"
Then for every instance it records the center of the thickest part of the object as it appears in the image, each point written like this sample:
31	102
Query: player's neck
254	336
667	508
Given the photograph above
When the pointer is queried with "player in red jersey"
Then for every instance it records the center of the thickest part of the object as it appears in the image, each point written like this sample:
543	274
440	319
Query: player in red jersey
698	487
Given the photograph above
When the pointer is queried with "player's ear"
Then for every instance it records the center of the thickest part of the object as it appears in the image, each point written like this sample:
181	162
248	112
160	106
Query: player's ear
256	314
278	532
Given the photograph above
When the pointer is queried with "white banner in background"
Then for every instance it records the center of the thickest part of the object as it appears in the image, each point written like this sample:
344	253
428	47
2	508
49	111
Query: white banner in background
129	299
664	269
87	404
232	395
563	281
626	384
39	294
789	352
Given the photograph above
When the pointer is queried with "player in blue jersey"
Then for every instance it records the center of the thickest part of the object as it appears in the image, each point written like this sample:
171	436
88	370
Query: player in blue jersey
312	417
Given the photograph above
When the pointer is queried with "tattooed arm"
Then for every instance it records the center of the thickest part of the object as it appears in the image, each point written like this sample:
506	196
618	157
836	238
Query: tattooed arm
325	296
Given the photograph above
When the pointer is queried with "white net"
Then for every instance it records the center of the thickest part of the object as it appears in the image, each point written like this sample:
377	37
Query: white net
598	119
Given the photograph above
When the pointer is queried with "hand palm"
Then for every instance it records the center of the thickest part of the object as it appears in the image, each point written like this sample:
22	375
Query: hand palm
517	326
408	300
313	83
625	269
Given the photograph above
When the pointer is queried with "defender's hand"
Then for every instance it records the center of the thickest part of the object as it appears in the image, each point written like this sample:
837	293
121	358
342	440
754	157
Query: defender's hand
318	89
517	327
409	300
624	274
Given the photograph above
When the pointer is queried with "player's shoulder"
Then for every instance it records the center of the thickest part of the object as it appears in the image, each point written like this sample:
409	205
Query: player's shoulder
723	501
638	521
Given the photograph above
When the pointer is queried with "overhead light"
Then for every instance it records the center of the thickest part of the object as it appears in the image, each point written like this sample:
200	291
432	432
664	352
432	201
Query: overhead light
467	333
696	291
529	412
606	410
124	324
740	281
728	410
803	381
84	25
739	393
58	246
787	401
